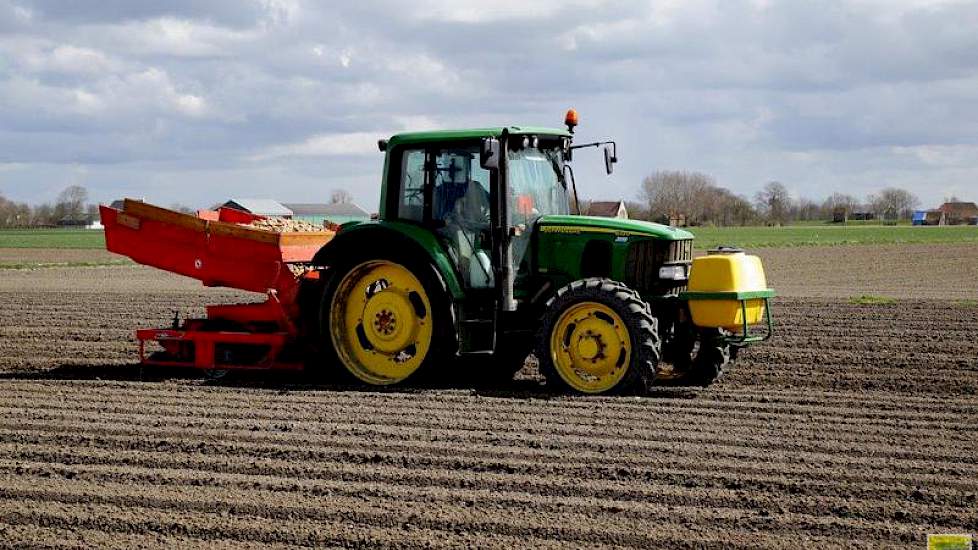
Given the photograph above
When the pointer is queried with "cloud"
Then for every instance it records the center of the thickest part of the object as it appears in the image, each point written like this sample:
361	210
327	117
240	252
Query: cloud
229	13
823	96
354	143
501	10
68	59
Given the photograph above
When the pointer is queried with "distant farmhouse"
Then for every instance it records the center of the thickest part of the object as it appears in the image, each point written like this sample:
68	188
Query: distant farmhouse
949	213
338	213
608	209
958	213
676	219
259	207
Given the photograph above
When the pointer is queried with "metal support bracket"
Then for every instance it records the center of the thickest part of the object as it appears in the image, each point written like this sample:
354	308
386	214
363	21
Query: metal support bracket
746	338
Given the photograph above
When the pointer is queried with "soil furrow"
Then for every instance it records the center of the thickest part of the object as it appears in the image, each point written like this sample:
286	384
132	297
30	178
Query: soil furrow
666	498
689	443
318	402
560	524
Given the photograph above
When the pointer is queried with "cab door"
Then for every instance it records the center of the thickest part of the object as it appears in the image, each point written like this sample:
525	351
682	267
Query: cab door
444	188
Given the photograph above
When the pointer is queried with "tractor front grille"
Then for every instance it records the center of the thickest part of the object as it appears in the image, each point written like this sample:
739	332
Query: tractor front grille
646	257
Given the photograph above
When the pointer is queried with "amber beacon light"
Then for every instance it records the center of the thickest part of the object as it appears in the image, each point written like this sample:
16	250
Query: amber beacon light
570	119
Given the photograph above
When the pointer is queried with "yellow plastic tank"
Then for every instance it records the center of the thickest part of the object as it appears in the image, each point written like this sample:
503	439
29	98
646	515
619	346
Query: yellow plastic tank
724	286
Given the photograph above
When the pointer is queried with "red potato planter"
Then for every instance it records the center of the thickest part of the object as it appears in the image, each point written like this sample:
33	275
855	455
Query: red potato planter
216	249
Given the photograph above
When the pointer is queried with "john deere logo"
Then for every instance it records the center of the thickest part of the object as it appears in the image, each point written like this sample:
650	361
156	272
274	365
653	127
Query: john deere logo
948	542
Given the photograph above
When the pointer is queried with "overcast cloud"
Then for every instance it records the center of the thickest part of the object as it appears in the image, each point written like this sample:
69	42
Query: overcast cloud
194	101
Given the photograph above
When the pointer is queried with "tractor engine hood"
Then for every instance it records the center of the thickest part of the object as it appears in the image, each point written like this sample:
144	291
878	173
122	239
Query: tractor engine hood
617	226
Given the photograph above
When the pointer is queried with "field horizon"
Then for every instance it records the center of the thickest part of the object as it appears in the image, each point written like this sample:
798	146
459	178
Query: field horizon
706	237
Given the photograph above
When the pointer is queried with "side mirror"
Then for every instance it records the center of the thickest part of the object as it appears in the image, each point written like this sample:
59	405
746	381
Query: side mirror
489	154
610	158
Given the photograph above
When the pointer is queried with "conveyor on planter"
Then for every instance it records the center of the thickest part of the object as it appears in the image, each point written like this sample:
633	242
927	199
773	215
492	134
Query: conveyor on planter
216	248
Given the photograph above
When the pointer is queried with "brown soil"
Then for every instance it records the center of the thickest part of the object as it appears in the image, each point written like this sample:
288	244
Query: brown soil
941	271
20	256
856	426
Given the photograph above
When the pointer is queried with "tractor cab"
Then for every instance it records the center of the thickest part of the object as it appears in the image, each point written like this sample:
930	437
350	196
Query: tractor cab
481	193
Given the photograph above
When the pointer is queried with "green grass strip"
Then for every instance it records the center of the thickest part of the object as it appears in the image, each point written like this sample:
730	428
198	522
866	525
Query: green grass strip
52	238
870	300
830	235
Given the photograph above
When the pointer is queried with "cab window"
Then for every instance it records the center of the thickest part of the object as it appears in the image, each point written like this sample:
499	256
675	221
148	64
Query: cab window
461	186
411	201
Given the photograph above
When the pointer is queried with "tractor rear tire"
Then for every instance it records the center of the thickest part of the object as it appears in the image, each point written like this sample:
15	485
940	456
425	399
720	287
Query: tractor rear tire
598	336
384	318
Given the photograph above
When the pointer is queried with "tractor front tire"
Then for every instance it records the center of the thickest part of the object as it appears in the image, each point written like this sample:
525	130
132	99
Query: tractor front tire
704	359
598	336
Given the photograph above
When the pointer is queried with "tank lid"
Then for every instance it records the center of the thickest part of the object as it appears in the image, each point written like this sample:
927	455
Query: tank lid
723	249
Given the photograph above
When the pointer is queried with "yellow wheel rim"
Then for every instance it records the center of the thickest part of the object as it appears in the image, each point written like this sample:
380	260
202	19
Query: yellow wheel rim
380	322
590	347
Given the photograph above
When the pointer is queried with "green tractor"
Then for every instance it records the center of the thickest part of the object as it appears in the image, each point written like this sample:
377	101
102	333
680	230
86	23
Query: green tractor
476	261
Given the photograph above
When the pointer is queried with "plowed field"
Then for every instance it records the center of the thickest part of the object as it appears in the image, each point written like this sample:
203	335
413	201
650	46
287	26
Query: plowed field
857	426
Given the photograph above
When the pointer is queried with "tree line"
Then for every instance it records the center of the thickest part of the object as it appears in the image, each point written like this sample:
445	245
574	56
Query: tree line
694	198
70	208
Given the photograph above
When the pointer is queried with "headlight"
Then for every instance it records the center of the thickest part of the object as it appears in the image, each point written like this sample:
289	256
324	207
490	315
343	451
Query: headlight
673	272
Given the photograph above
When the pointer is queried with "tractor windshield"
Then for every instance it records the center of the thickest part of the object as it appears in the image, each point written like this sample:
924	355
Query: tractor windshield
536	185
535	188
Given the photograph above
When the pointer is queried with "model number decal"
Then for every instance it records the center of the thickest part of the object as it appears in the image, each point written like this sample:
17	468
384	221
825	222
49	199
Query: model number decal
576	230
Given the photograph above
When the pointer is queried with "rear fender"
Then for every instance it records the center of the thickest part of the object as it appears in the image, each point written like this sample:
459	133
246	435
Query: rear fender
404	236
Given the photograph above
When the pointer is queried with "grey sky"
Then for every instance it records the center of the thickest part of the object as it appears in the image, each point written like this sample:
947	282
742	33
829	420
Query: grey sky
194	101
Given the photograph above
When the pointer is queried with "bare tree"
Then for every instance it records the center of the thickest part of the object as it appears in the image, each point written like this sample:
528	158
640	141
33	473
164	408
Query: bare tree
726	208
71	202
774	201
839	200
695	196
805	209
22	214
897	202
6	211
668	193
338	196
14	214
43	214
637	210
876	205
739	210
